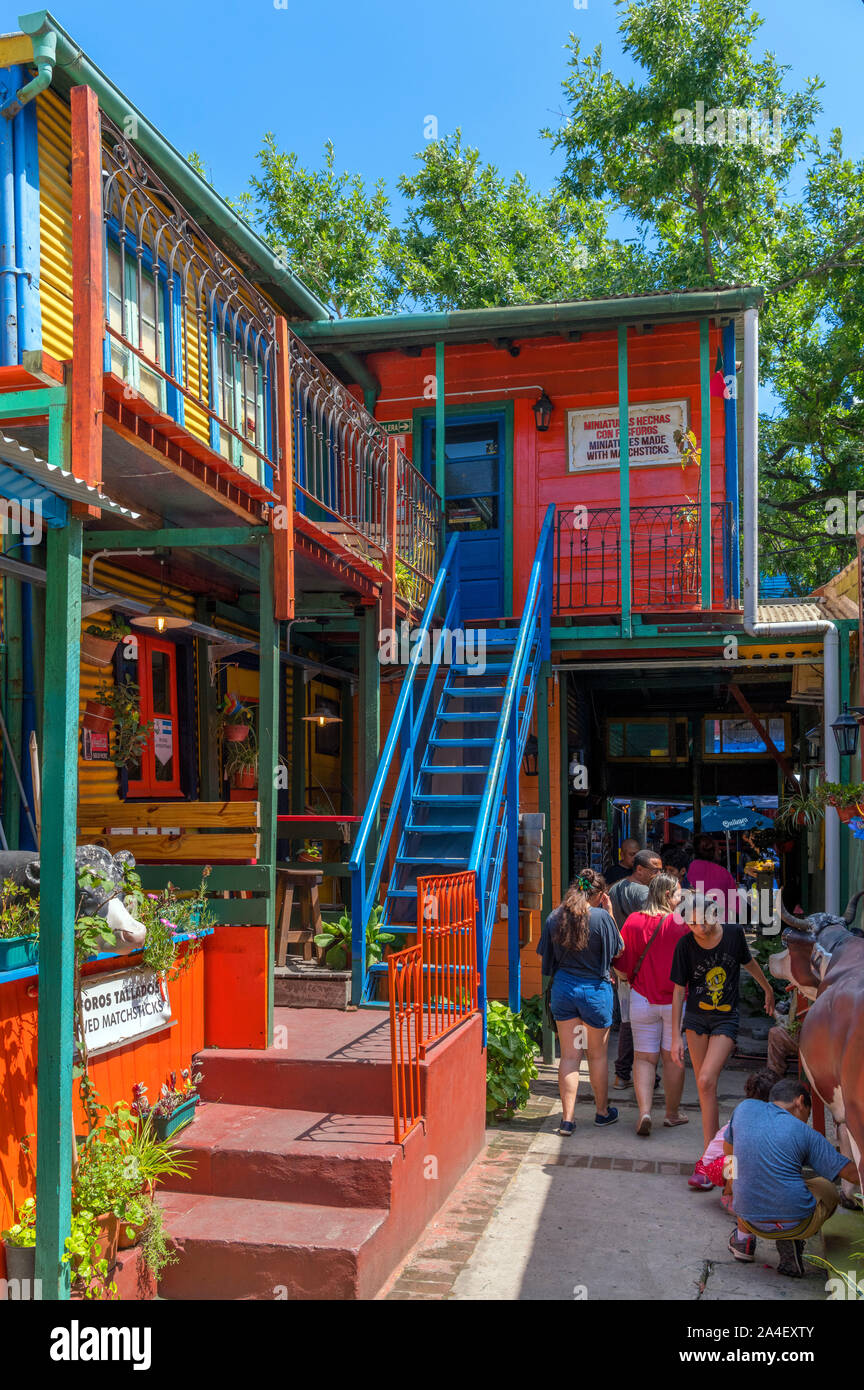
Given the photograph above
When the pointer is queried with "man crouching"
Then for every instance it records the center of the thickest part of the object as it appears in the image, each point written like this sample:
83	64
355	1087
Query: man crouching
767	1147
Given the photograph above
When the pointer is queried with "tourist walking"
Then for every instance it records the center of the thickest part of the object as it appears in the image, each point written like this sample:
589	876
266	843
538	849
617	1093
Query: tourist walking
706	971
650	937
624	868
577	945
706	875
626	896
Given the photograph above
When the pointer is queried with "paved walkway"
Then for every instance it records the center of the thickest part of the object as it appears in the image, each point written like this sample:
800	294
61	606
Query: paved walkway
601	1215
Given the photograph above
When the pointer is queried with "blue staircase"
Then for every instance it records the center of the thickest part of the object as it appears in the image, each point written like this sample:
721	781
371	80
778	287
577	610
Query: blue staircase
447	785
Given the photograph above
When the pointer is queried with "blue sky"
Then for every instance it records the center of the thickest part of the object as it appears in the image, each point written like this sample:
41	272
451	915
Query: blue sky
215	76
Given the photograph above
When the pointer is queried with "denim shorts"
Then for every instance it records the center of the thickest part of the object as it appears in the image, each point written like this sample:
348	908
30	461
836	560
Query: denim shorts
590	1001
726	1024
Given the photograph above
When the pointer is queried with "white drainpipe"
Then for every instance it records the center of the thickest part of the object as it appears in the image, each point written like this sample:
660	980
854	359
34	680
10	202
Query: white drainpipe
821	626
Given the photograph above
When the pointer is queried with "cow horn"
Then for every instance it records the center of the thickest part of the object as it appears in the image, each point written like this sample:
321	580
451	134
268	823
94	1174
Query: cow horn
802	923
852	908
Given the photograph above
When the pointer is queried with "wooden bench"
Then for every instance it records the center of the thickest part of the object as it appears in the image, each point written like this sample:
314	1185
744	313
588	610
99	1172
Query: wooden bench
179	839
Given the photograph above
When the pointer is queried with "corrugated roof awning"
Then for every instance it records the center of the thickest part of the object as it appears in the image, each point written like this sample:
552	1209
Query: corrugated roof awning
29	479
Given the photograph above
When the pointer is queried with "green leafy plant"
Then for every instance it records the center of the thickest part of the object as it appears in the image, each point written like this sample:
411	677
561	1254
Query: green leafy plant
89	1266
130	734
168	917
802	809
22	1232
113	631
19	910
510	1067
841	793
532	1017
241	756
335	940
156	1253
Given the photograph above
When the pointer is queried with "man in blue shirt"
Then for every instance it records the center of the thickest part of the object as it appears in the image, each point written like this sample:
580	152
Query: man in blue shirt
770	1144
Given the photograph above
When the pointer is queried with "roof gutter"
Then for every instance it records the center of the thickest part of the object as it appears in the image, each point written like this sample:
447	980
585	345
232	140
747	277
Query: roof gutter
44	56
522	319
818	626
72	68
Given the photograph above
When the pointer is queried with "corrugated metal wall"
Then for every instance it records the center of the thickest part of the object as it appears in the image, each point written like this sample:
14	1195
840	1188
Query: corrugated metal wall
55	224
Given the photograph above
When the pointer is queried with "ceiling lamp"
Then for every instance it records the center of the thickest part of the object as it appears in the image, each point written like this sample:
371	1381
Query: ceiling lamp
161	617
322	720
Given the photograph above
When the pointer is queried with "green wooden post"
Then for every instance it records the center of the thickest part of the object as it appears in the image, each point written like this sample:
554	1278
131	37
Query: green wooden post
210	772
544	790
440	425
624	484
705	461
268	753
12	703
57	907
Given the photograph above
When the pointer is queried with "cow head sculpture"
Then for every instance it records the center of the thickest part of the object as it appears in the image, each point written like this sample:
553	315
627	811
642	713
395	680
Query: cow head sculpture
810	943
99	875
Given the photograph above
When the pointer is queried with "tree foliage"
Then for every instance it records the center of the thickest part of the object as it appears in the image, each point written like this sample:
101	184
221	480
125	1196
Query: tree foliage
709	159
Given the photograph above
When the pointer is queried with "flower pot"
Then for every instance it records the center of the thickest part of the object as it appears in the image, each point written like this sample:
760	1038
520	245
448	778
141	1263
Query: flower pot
20	1267
180	1117
18	951
245	777
235	733
99	651
98	718
847	813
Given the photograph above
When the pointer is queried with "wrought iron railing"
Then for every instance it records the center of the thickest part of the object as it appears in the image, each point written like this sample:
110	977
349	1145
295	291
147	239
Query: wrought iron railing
343	474
405	989
447	933
184	330
665	557
418	533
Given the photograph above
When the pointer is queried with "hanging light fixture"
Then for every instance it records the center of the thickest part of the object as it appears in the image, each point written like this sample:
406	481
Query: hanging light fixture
161	617
845	728
322	720
529	757
542	408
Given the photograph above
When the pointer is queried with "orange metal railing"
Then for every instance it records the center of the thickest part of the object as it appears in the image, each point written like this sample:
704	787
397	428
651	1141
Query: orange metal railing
405	987
432	986
447	932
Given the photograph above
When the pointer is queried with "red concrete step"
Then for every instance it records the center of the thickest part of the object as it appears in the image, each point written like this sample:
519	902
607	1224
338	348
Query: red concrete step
322	1060
238	1248
281	1155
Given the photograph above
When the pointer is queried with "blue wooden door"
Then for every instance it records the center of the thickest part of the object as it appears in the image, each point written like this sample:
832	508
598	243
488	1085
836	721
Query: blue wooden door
474	505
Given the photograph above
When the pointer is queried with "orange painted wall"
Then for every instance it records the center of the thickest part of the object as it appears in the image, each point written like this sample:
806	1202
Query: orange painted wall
149	1060
663	365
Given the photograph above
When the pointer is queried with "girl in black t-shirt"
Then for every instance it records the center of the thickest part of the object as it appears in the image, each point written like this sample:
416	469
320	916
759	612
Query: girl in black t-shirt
706	969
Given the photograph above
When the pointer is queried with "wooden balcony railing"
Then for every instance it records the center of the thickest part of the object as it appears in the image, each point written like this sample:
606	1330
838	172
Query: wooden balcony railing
665	558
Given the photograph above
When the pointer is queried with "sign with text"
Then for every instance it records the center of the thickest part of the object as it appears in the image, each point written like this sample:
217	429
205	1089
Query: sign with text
593	442
123	1006
396	426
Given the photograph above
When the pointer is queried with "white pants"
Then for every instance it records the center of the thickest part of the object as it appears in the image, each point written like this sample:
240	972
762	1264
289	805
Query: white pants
651	1024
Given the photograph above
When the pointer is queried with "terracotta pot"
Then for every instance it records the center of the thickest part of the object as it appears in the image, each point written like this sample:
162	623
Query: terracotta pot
99	651
97	717
245	777
235	733
847	813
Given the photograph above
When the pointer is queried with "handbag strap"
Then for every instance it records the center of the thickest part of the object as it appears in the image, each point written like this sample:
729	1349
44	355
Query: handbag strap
648	946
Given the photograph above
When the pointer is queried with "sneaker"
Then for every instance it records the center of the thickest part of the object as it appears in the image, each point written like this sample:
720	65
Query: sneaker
643	1129
699	1179
566	1128
791	1254
742	1247
609	1118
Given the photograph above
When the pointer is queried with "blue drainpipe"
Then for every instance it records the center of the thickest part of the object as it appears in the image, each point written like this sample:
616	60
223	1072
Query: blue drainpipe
8	255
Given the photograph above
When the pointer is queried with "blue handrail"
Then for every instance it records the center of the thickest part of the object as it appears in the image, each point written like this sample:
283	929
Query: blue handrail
490	837
364	892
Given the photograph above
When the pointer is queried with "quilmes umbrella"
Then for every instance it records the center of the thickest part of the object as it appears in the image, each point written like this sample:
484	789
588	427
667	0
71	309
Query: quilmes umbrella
726	819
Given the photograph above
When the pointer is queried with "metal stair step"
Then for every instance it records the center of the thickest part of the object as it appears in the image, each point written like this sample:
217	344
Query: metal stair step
439	829
486	716
459	861
436	742
450	768
442	799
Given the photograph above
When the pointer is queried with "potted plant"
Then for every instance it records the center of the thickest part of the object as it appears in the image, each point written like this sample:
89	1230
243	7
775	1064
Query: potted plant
312	852
234	720
241	761
19	926
130	735
175	1107
801	809
90	1257
847	798
99	712
99	640
334	942
19	1241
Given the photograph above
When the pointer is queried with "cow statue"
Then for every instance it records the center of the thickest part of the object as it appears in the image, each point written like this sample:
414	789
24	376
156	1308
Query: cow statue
824	959
104	899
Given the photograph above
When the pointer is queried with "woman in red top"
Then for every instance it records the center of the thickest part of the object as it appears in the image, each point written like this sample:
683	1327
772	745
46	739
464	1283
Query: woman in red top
650	938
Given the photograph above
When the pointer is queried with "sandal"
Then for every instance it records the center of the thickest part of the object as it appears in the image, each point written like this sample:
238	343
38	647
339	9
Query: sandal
643	1129
673	1124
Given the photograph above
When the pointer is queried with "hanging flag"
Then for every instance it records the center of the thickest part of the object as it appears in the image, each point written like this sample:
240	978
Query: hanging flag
718	386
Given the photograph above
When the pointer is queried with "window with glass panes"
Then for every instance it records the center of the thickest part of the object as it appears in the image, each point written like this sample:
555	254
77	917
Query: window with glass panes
136	311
